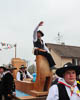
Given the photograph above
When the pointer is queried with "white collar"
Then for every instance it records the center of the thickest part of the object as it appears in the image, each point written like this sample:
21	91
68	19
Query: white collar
63	81
6	72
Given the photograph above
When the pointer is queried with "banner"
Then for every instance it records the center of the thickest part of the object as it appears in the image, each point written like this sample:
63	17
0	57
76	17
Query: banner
6	46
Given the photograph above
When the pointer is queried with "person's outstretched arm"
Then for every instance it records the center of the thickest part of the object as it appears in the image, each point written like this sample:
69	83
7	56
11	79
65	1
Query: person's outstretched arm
29	75
35	31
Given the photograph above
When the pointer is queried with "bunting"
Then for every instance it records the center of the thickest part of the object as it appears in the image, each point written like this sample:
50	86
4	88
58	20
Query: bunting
6	46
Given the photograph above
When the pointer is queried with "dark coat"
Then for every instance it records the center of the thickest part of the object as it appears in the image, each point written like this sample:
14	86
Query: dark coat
8	83
7	86
1	89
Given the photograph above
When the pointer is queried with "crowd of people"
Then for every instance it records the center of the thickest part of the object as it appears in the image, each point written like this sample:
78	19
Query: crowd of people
7	83
64	85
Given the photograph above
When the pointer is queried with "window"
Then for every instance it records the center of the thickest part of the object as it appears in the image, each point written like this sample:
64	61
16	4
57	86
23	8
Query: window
76	61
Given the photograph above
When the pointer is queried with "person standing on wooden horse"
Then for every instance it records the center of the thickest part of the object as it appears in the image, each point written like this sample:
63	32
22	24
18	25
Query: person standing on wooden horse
40	47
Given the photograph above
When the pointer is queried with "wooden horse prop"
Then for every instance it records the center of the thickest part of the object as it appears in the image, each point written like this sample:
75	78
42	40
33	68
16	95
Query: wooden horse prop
43	80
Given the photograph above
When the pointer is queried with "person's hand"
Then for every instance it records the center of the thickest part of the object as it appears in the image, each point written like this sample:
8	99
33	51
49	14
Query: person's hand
41	23
14	93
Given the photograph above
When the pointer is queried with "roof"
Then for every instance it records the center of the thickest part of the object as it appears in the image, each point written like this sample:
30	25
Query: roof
65	50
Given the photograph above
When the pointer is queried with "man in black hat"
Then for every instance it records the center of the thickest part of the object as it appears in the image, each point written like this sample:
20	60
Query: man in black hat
7	83
67	88
2	70
23	74
10	69
40	47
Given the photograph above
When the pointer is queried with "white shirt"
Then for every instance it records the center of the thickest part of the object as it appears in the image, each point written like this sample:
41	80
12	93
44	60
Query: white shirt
24	75
54	95
35	38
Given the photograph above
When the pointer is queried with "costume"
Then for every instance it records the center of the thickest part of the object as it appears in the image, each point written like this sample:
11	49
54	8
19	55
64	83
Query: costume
8	85
54	81
64	90
23	75
0	89
54	92
39	44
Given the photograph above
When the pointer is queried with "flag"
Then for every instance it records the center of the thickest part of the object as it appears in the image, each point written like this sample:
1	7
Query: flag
3	44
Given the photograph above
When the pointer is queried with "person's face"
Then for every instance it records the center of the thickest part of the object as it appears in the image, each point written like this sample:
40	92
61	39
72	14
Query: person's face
70	76
23	69
1	70
11	71
39	35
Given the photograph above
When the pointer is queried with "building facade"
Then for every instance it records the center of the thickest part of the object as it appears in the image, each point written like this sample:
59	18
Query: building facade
64	53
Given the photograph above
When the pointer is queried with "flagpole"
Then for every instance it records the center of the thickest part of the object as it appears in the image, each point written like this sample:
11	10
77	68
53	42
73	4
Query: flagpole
15	50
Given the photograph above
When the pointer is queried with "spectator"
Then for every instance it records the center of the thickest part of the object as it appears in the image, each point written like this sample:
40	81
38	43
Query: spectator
7	82
11	68
67	88
23	73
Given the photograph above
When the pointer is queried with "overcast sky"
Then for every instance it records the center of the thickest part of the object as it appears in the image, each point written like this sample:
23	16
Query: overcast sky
18	19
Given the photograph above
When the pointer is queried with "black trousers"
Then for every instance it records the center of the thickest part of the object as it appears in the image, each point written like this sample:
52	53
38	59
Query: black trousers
0	96
48	56
6	97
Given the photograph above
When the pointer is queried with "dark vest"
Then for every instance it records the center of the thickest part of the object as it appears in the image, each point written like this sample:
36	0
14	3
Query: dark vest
39	44
8	84
1	87
21	75
63	93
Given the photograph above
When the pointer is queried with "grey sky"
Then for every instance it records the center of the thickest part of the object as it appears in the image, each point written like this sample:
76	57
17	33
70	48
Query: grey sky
18	19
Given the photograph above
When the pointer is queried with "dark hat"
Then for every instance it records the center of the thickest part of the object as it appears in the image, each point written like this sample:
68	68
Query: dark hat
22	66
11	67
42	34
3	67
67	66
